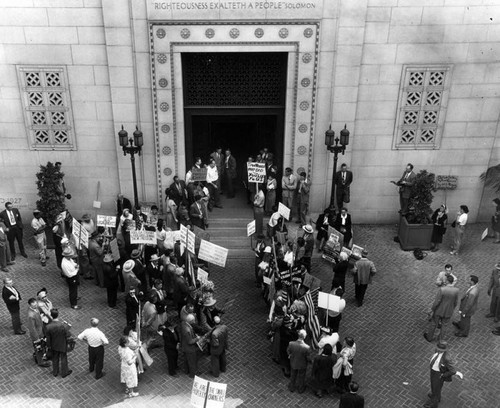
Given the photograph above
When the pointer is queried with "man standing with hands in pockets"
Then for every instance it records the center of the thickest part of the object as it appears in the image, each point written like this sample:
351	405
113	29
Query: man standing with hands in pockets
96	340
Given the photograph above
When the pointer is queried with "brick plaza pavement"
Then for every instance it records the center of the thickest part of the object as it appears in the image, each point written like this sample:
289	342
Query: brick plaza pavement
391	365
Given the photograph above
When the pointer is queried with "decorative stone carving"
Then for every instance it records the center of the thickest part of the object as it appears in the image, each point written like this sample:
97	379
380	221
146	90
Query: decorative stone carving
160	33
185	33
304	105
306	58
303	128
234	33
301	150
164	107
308	32
161	58
305	82
283	33
301	170
166	150
163	82
167	171
259	32
209	33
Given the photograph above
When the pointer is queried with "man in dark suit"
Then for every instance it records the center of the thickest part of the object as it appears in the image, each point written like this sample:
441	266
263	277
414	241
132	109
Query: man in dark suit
177	191
121	204
189	346
131	307
229	173
13	221
442	309
405	183
11	297
343	180
218	347
352	399
468	306
170	342
197	213
298	352
343	224
442	370
35	328
57	334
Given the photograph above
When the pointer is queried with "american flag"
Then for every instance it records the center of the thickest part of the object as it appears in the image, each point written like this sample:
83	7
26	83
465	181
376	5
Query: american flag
312	320
189	272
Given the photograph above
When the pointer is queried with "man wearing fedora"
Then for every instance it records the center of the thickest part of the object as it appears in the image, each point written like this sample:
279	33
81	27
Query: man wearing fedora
208	313
38	225
218	347
154	269
140	270
298	352
111	275
131	307
96	255
468	306
70	271
308	237
494	292
442	370
364	270
129	277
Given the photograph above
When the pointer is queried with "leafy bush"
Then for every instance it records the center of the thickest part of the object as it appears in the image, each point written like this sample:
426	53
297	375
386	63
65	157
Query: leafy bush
52	200
421	197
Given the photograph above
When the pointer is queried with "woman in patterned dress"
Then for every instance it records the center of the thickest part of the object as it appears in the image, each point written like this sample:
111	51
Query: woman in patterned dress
128	370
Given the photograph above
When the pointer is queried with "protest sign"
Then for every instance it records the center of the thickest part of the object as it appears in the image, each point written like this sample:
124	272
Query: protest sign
113	244
142	237
251	228
267	280
284	211
80	234
212	253
199	174
191	240
107	221
329	302
208	394
256	172
484	234
338	234
357	251
202	275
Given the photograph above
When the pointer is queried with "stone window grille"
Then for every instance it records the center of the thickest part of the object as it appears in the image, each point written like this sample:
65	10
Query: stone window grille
423	98
46	105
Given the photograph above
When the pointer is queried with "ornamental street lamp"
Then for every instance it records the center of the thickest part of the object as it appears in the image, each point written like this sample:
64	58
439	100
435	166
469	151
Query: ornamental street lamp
332	144
132	146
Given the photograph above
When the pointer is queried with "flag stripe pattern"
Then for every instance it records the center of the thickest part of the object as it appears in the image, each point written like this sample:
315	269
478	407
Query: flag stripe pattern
312	320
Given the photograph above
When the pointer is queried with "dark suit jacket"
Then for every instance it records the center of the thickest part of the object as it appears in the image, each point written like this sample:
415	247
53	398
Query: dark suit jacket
188	338
132	307
218	340
194	214
35	325
177	195
170	339
446	368
17	216
299	353
219	162
230	170
340	182
121	205
12	305
468	304
446	301
3	234
344	229
405	189
57	334
349	400
494	285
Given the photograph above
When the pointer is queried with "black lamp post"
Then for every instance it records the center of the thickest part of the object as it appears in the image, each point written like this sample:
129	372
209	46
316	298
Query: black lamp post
332	144
132	146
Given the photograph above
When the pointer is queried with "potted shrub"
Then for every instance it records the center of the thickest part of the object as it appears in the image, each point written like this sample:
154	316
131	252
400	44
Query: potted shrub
52	201
415	229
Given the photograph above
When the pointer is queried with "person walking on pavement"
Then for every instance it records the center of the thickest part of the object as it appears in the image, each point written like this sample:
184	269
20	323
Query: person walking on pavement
364	270
13	221
298	352
352	399
70	271
57	334
4	251
442	309
96	341
38	225
494	292
171	337
218	347
468	306
11	297
35	328
442	370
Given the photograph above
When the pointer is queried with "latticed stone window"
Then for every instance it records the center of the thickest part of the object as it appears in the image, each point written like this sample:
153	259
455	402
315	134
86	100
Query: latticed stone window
47	107
423	99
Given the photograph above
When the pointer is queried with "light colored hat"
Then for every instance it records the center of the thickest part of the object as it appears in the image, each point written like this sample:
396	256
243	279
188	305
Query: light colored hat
128	266
442	345
154	257
36	211
68	252
108	258
179	271
267	250
135	253
210	301
308	228
497	266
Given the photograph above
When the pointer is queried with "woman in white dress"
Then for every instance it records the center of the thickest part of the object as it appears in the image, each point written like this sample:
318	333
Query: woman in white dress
128	370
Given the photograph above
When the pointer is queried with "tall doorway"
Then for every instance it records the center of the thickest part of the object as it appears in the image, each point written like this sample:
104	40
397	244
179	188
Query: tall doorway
234	100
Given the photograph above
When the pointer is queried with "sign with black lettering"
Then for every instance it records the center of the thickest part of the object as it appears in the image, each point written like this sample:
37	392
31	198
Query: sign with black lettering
446	182
199	174
208	394
256	172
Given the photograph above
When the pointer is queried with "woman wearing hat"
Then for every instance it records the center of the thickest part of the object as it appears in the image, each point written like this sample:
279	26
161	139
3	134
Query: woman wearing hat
439	219
70	271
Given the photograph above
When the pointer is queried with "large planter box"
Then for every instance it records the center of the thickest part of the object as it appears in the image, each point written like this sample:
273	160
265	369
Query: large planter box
414	236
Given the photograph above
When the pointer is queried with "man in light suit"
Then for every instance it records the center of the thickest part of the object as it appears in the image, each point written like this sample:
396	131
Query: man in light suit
35	328
289	186
4	251
405	183
343	180
218	156
468	306
229	173
298	352
13	221
304	186
442	309
189	346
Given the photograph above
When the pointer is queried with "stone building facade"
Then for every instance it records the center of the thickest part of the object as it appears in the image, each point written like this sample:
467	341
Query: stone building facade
413	81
